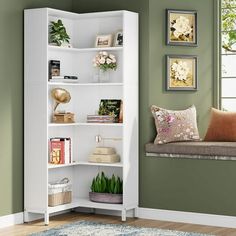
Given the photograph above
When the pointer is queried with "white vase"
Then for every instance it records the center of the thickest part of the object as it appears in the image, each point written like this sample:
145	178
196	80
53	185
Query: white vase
104	76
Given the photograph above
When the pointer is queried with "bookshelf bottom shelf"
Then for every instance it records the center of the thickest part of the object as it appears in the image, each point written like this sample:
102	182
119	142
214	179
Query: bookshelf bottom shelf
85	202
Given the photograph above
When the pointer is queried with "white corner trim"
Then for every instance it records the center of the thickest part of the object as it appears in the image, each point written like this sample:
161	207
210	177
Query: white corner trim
188	217
12	219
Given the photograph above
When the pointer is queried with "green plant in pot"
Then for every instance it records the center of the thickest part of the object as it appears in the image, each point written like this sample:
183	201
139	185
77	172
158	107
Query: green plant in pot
106	190
58	34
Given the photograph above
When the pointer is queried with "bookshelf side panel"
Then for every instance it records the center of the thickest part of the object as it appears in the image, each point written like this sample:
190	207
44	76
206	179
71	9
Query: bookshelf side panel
35	110
130	131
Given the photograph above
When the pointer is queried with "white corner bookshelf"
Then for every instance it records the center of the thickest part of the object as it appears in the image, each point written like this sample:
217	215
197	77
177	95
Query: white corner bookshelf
85	97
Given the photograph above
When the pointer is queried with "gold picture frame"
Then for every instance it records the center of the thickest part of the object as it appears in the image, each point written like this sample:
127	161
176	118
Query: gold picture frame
181	72
103	41
181	27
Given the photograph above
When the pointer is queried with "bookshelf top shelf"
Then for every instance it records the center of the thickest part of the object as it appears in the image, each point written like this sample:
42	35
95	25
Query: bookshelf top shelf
59	49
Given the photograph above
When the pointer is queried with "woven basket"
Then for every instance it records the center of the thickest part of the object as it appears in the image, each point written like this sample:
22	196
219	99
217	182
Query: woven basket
59	198
59	192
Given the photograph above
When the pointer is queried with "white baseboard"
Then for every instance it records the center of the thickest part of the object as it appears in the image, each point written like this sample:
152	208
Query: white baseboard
13	219
147	213
188	217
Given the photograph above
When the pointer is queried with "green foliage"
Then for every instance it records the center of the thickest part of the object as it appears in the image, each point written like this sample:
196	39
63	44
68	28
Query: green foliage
57	33
228	18
105	67
103	184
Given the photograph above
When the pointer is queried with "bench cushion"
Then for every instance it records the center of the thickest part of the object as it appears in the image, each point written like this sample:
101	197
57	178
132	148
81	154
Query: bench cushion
224	149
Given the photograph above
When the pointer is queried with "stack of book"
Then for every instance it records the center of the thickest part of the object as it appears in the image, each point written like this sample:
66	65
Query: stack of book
55	73
60	150
64	79
100	119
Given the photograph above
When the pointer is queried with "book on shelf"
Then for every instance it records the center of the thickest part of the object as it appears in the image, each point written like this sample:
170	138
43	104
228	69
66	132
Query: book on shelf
112	107
60	150
100	119
64	79
54	68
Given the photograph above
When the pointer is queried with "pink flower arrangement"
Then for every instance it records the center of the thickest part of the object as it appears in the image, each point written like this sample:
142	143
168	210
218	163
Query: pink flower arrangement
105	61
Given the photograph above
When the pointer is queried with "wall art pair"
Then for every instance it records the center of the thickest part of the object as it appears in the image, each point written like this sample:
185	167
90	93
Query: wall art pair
181	70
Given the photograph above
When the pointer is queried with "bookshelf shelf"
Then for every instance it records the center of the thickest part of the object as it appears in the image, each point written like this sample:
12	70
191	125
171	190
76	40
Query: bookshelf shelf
85	163
86	95
85	124
84	84
85	202
59	49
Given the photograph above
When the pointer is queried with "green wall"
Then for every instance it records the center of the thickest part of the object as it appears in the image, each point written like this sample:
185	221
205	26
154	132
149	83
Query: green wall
11	98
184	185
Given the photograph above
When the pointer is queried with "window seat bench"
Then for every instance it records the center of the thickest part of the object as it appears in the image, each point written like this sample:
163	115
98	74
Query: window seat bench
193	150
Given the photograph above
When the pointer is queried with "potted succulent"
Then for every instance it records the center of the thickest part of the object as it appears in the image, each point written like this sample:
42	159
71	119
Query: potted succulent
58	34
106	190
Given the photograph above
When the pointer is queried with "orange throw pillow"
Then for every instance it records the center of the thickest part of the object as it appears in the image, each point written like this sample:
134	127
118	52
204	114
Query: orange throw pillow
222	126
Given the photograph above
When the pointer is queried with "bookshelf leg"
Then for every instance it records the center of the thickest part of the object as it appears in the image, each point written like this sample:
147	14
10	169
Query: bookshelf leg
136	212
46	218
93	210
123	215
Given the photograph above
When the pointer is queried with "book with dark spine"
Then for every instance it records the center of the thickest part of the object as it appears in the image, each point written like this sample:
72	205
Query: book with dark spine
54	68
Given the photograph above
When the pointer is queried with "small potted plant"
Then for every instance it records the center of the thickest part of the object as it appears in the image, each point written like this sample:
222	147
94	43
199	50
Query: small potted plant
106	190
58	35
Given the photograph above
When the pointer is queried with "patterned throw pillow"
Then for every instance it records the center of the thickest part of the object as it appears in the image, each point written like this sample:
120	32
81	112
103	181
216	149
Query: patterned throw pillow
174	126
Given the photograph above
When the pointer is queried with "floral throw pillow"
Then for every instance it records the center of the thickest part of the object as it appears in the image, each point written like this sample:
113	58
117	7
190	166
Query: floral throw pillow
174	126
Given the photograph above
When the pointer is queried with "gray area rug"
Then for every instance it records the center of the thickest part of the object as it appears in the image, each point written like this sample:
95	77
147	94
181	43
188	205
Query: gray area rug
88	228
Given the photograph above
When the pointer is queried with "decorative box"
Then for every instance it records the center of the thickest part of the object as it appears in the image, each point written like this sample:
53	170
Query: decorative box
63	117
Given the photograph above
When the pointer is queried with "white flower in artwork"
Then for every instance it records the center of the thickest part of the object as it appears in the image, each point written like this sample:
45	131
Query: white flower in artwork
181	28
180	70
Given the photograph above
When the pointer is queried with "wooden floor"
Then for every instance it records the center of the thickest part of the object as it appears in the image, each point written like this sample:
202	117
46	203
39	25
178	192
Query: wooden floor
26	229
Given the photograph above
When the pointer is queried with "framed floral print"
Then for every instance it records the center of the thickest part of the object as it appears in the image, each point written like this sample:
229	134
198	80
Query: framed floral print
181	27
181	72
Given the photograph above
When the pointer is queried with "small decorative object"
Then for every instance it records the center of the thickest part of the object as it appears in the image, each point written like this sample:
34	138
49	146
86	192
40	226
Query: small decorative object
58	34
181	27
104	155
104	62
118	39
110	107
106	190
61	95
103	41
59	192
99	138
181	72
